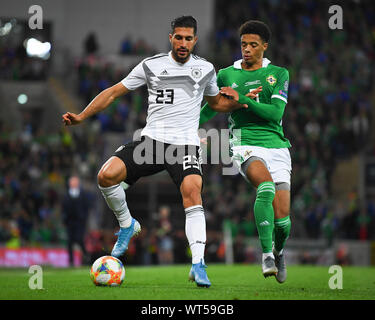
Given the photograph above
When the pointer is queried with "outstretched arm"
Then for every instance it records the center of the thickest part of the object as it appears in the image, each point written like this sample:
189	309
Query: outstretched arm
99	103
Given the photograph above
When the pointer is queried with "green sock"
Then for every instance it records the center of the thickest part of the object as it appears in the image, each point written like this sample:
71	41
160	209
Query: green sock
264	215
281	232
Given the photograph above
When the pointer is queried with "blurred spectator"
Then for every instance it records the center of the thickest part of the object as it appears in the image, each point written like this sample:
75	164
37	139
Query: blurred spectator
139	47
91	45
75	210
361	126
342	255
180	247
165	241
127	45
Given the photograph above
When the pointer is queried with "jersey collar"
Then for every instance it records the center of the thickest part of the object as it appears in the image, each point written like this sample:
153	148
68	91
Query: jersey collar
237	64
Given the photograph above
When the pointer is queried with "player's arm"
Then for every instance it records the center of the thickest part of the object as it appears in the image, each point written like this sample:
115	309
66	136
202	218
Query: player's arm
133	80
270	112
208	113
217	101
223	103
98	104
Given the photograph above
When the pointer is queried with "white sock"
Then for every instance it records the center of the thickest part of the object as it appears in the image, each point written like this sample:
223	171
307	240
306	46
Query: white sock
266	255
195	229
116	201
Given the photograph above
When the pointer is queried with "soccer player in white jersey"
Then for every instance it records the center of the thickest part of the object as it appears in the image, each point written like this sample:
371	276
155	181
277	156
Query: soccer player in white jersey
177	81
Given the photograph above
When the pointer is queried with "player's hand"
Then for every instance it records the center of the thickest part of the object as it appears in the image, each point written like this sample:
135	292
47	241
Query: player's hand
231	94
254	93
70	119
203	141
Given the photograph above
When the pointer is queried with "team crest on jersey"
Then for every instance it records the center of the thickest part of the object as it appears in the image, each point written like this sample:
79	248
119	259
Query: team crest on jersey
271	80
196	73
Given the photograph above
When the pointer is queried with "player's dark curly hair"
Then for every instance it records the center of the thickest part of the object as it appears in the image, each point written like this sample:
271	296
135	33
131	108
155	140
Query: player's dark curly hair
184	22
256	27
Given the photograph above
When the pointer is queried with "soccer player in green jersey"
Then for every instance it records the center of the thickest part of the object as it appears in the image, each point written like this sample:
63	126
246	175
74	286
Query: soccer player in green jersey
258	146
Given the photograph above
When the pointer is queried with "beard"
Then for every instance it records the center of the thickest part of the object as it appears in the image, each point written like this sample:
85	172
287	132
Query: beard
179	58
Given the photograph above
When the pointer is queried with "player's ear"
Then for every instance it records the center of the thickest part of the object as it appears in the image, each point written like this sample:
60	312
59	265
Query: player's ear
265	46
170	38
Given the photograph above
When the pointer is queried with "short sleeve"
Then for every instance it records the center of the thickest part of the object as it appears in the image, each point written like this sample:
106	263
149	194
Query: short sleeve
135	78
219	80
211	88
280	90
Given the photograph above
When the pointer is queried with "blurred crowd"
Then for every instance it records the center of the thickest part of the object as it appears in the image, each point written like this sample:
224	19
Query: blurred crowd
96	74
16	65
327	120
16	62
35	168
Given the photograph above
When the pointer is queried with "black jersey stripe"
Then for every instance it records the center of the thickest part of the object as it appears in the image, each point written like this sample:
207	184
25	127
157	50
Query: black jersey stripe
160	55
198	57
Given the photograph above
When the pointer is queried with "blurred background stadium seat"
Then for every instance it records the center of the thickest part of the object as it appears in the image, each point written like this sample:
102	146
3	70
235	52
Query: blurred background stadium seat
93	45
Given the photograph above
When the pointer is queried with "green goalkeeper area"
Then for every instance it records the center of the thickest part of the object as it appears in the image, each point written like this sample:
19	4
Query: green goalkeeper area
239	282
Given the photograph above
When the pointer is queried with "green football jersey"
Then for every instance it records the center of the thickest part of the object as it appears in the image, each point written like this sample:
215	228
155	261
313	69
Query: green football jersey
261	123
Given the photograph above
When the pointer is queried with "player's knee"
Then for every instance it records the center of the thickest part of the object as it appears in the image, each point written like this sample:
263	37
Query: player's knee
191	195
106	177
266	192
281	211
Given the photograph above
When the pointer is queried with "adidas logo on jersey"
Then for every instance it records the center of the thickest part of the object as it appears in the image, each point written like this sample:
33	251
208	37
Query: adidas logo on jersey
164	73
234	85
264	223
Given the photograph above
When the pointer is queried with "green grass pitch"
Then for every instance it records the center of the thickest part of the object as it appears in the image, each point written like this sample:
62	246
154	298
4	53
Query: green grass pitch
242	282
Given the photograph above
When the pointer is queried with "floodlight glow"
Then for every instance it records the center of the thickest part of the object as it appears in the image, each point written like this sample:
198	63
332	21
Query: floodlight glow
6	29
22	98
35	48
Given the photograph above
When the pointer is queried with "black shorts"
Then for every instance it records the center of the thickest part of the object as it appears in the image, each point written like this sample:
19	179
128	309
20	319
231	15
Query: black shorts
146	157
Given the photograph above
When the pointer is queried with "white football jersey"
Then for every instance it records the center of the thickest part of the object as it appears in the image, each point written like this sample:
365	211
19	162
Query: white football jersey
175	93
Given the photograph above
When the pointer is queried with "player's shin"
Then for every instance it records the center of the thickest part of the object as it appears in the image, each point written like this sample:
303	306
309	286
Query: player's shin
264	215
116	201
195	229
281	232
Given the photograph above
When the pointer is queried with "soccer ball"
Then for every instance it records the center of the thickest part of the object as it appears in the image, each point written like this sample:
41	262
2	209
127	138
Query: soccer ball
107	271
